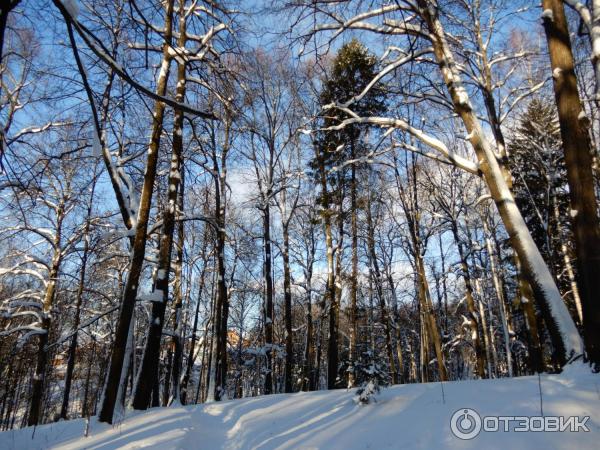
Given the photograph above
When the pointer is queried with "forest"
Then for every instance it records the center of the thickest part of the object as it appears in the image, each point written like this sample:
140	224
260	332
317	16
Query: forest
204	200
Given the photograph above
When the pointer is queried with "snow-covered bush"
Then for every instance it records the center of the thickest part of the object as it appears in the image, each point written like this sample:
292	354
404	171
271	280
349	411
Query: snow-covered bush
367	392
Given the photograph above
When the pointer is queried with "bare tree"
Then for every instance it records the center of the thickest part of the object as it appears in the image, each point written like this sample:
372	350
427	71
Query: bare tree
424	24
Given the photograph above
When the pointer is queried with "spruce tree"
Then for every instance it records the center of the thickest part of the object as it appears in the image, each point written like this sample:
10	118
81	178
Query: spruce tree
540	188
351	71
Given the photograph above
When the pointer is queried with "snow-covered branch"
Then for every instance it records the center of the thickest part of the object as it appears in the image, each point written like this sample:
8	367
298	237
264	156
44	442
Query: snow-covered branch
400	124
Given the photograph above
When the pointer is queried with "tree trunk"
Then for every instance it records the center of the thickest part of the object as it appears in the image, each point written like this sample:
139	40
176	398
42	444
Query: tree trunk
37	388
84	404
178	148
178	303
204	365
148	373
396	313
139	245
268	305
432	328
319	348
487	339
208	394
423	335
287	291
330	294
579	162
4	11
353	277
334	309
536	358
501	299
474	321
309	382
222	301
309	376
167	379
568	265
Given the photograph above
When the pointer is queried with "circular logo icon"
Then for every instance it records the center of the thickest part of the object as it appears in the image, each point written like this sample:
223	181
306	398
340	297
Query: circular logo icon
465	424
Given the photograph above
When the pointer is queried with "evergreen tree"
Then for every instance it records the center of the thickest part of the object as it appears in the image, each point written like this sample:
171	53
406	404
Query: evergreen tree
540	189
351	71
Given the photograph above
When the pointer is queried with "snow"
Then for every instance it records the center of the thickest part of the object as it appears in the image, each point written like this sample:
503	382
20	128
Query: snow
556	73
548	15
407	416
463	97
72	7
96	145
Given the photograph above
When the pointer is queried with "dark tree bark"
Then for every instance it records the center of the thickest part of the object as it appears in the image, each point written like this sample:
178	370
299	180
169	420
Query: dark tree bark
334	308
148	372
4	12
287	292
39	377
354	275
579	163
268	305
219	358
309	382
139	245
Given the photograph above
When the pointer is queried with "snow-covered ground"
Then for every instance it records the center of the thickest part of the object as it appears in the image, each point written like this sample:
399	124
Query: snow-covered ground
408	416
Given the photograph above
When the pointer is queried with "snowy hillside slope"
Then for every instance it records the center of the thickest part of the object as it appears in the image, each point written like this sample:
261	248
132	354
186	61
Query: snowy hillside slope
408	416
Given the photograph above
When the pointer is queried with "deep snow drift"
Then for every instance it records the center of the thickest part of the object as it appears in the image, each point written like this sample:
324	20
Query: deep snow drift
408	416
